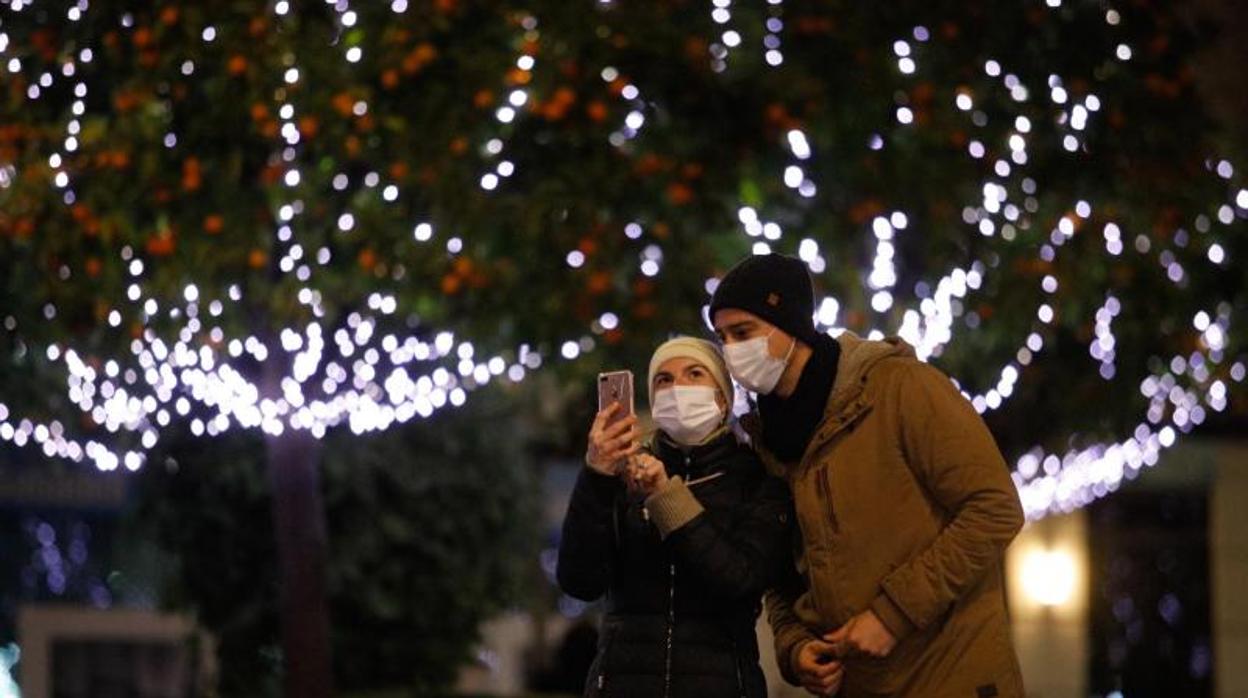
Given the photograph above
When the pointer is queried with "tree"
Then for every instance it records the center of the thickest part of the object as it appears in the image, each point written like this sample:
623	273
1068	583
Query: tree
291	219
412	575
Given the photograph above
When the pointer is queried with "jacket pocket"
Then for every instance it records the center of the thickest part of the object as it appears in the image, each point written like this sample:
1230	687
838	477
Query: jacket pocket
890	675
824	485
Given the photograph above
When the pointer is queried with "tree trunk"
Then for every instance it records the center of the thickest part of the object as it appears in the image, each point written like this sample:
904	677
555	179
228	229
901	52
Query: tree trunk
299	523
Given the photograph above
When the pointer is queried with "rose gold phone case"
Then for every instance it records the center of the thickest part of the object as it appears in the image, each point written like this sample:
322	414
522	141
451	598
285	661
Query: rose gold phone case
616	386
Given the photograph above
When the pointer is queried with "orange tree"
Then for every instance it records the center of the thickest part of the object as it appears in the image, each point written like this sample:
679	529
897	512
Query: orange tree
296	218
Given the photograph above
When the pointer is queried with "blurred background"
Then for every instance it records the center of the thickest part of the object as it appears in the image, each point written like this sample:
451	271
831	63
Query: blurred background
302	304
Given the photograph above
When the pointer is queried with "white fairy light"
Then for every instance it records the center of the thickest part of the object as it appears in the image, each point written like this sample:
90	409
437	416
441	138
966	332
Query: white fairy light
371	390
799	145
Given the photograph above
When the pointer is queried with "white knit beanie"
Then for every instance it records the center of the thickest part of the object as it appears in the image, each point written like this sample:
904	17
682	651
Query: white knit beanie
700	350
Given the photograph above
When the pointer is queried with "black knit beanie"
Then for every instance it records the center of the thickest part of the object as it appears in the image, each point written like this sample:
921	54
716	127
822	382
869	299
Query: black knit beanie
776	288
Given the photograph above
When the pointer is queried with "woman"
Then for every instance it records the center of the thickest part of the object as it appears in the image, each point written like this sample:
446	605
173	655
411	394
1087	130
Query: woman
682	538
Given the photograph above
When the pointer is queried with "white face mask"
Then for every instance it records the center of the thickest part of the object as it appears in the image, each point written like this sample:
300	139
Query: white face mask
687	413
751	363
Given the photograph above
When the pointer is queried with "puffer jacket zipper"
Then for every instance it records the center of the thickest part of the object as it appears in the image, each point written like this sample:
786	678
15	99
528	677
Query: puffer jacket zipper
671	628
601	681
602	671
671	613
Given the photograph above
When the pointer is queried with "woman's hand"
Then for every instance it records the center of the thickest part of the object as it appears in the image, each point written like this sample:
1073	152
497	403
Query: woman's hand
646	474
611	444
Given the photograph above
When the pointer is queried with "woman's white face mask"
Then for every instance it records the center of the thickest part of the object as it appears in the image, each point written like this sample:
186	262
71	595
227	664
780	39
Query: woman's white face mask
687	413
751	363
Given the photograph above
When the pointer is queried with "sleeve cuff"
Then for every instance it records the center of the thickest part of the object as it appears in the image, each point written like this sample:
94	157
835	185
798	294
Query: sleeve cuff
891	615
601	487
672	507
788	669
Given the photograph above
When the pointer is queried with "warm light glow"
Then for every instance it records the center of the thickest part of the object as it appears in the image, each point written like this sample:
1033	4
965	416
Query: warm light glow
1049	577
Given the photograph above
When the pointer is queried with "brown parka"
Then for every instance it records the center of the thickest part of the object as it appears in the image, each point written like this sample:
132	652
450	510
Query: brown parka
905	507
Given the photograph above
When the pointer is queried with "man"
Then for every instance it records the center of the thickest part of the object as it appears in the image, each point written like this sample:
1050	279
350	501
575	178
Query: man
904	502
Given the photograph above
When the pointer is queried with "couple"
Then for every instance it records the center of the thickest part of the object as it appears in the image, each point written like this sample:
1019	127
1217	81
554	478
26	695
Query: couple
891	582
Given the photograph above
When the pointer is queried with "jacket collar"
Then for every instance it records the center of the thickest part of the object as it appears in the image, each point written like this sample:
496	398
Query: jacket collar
848	401
698	461
858	357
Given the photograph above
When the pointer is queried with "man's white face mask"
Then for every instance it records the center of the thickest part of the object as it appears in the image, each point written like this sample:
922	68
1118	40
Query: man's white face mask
752	365
687	413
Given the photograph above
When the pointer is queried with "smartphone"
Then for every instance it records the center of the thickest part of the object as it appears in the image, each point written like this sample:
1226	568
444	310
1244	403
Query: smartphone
616	387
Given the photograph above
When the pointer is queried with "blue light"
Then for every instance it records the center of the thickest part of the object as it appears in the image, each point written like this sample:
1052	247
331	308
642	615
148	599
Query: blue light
10	655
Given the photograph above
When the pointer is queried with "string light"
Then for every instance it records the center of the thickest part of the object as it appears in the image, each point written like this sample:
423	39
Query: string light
140	395
721	15
1078	476
631	95
507	112
771	40
356	374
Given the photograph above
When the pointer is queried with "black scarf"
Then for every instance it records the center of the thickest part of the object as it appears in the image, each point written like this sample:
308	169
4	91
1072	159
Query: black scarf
789	423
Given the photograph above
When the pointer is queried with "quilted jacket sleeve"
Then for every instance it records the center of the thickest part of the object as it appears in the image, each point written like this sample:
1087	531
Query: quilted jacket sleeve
587	544
735	562
789	631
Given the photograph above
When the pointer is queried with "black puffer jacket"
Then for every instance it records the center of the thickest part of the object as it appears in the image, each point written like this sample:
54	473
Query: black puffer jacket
680	610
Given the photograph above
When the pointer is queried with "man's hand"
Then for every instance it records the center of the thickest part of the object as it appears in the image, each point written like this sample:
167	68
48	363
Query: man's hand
863	635
818	668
